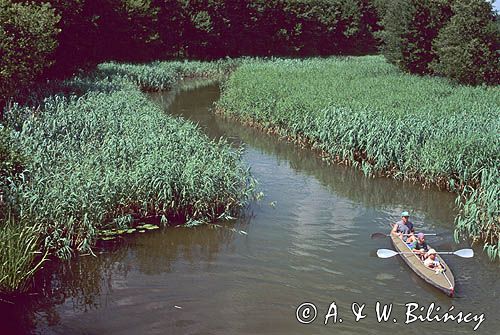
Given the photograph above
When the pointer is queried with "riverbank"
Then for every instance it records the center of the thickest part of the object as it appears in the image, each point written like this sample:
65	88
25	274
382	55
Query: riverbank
363	112
102	155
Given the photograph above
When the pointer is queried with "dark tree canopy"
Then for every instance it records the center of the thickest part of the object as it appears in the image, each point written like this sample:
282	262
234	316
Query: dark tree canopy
467	48
410	26
43	39
28	35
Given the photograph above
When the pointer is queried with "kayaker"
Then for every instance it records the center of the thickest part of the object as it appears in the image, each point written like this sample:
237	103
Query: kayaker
432	262
420	245
404	227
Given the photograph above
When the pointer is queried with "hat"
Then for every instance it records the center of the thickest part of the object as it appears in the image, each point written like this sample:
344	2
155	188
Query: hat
420	235
405	213
431	252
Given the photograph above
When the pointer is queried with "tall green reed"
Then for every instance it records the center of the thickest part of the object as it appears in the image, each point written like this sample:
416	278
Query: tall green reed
19	254
364	111
102	155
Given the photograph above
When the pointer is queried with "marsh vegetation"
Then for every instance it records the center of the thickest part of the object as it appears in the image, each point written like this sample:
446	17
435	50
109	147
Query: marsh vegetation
363	111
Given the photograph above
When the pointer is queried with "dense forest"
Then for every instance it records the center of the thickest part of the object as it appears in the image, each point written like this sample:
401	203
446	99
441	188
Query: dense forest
54	38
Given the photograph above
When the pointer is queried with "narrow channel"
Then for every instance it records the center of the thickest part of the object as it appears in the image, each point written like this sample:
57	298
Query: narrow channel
307	240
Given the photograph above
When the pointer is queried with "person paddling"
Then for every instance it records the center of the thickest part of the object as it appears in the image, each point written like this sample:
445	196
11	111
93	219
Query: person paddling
420	245
404	227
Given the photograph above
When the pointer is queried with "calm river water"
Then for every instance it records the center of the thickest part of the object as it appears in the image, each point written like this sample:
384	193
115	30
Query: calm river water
307	240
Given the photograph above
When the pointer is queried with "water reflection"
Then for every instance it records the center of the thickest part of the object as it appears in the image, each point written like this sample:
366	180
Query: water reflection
157	253
81	281
86	282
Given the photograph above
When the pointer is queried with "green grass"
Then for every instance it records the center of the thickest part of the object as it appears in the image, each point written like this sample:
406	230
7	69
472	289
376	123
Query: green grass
19	257
162	75
386	122
106	154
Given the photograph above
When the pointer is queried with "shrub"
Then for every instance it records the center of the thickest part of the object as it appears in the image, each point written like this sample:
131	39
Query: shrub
27	41
409	29
467	47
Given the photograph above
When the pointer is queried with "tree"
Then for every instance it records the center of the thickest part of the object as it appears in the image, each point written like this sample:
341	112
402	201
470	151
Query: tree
409	30
467	48
27	42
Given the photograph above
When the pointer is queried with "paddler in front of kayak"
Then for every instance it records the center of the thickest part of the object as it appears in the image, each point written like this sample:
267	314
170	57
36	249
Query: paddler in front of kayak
403	227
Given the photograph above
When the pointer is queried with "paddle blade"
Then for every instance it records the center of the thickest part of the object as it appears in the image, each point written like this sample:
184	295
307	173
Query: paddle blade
464	253
379	235
386	253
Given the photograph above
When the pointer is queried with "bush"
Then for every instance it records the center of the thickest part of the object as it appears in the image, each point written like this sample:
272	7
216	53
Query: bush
467	47
27	41
409	30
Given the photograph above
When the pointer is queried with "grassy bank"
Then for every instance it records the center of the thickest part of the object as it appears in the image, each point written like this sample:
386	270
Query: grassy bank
364	112
102	156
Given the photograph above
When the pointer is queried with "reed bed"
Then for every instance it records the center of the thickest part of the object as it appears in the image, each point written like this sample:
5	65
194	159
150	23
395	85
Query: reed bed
20	256
106	156
162	75
363	111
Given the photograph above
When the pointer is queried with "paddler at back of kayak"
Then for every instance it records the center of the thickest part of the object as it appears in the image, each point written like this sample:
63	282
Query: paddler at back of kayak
403	227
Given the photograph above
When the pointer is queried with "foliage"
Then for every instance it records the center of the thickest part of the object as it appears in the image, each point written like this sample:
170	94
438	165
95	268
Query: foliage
409	30
479	215
12	173
95	31
90	32
18	255
214	29
112	153
27	40
467	47
133	30
11	161
458	39
106	156
162	75
364	111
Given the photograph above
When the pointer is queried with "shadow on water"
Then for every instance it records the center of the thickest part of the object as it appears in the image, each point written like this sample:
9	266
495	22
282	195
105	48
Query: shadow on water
85	282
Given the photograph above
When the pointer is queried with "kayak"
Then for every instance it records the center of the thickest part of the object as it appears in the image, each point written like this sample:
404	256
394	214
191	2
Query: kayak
443	281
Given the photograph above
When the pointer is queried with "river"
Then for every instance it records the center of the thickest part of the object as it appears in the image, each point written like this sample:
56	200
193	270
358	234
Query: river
307	240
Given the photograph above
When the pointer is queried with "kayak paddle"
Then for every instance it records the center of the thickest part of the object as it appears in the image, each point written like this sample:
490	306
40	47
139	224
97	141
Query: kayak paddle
381	235
464	253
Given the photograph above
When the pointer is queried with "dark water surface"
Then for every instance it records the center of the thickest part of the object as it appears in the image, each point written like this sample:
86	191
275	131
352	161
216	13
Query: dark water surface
307	240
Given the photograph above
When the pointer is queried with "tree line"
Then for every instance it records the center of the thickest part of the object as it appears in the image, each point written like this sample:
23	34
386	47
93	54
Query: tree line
43	39
458	39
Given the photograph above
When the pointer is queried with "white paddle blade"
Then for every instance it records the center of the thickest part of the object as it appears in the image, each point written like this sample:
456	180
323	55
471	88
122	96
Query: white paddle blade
386	253
464	253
